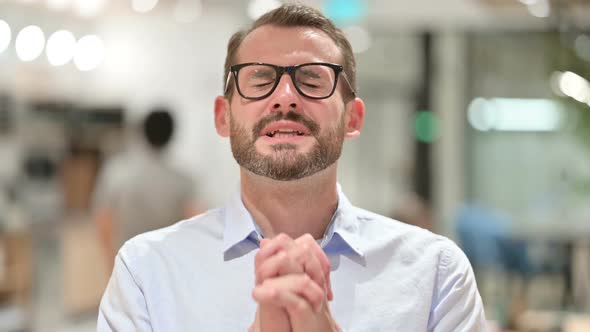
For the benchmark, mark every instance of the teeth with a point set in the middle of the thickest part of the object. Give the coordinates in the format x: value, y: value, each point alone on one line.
x: 284, y: 133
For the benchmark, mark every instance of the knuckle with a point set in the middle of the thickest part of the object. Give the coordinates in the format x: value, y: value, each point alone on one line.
x: 282, y: 258
x: 301, y: 307
x: 257, y: 260
x: 320, y: 294
x: 319, y: 278
x: 282, y: 237
x: 260, y: 275
x: 307, y: 238
x: 274, y: 293
x: 306, y: 281
x: 306, y: 248
x: 316, y: 297
x: 298, y: 255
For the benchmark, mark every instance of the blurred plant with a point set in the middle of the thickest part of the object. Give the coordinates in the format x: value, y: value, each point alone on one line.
x: 566, y: 57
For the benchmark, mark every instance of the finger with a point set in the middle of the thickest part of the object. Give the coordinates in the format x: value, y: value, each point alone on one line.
x: 295, y: 296
x: 329, y: 286
x: 291, y: 302
x: 323, y: 259
x: 271, y: 247
x: 272, y: 318
x: 304, y: 257
x: 279, y: 264
x: 299, y: 259
x: 317, y: 250
x: 314, y: 267
x: 295, y: 293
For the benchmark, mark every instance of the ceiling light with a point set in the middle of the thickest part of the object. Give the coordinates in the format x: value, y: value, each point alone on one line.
x: 30, y: 42
x: 143, y: 6
x: 514, y: 114
x: 60, y: 47
x: 5, y: 36
x: 89, y: 53
x: 89, y: 8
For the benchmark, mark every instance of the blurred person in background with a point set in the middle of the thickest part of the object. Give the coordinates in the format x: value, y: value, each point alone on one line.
x: 289, y: 252
x: 139, y: 191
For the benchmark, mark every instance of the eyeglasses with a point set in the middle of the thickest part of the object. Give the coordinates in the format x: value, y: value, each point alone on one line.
x: 316, y: 80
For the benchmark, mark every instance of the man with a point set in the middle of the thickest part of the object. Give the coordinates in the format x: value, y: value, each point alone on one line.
x: 139, y: 191
x: 289, y: 252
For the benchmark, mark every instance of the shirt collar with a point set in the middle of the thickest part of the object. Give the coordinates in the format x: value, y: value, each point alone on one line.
x: 241, y: 234
x: 343, y: 234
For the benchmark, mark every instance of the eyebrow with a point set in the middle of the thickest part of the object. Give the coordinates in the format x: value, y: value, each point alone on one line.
x: 308, y: 72
x: 263, y: 73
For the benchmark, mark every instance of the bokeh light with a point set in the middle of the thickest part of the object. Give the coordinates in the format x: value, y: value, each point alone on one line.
x: 345, y: 11
x: 515, y: 114
x: 59, y: 5
x: 5, y: 35
x: 60, y: 47
x: 30, y: 43
x: 426, y: 127
x: 143, y: 6
x: 539, y: 8
x: 89, y: 53
x: 575, y: 86
x: 89, y: 8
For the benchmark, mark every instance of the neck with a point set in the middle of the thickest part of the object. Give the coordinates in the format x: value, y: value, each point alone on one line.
x: 292, y: 207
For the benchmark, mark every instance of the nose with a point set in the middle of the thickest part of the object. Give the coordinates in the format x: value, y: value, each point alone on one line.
x: 285, y: 95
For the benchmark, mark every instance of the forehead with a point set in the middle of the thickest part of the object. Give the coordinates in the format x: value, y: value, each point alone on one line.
x: 288, y: 46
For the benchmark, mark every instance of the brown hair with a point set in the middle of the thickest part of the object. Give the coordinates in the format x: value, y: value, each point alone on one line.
x: 294, y: 15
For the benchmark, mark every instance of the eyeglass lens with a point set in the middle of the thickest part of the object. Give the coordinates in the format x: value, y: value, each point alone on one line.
x: 312, y: 80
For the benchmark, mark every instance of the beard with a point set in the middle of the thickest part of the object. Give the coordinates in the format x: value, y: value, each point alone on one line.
x: 285, y: 163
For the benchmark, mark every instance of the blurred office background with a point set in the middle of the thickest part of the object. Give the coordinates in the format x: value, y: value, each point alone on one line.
x: 477, y: 127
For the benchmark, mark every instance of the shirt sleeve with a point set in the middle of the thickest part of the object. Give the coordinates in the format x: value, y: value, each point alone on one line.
x: 123, y: 306
x: 457, y: 305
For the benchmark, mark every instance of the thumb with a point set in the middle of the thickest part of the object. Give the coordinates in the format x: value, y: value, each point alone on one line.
x: 264, y: 242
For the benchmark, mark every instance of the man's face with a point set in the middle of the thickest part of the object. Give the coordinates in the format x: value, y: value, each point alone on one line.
x: 287, y: 136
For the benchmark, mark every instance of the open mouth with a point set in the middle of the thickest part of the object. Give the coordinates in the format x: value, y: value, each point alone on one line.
x: 281, y: 133
x: 285, y: 129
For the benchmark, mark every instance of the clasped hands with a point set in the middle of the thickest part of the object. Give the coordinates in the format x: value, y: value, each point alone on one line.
x: 292, y: 286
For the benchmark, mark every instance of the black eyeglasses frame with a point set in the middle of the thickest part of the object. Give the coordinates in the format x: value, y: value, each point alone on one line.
x: 280, y: 70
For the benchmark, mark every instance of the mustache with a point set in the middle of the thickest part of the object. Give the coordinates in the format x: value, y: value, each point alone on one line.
x: 313, y: 127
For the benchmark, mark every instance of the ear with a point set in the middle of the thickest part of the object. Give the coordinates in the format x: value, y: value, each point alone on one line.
x: 222, y: 116
x: 355, y: 115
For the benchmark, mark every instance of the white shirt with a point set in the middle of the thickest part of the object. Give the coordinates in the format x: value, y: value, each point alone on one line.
x: 198, y: 275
